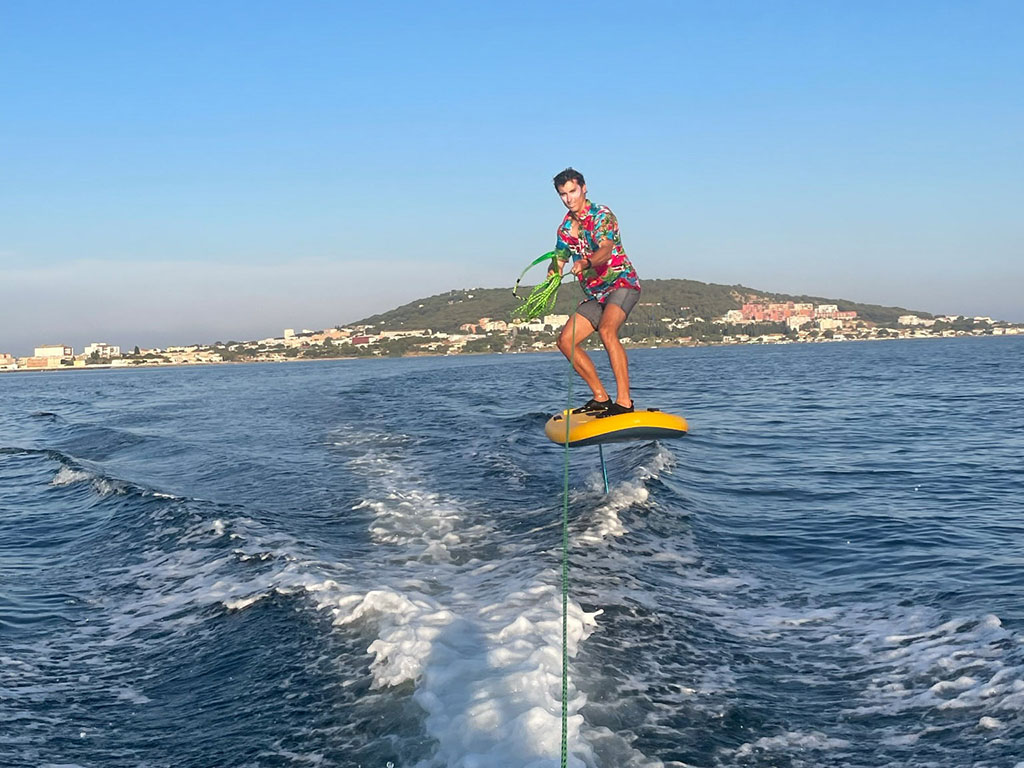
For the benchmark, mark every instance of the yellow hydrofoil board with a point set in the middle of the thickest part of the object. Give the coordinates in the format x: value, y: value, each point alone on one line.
x: 588, y: 429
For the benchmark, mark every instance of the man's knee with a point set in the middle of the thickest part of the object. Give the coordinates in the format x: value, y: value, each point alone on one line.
x: 609, y: 333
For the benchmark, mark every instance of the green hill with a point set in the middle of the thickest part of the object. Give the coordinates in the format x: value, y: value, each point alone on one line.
x: 661, y: 298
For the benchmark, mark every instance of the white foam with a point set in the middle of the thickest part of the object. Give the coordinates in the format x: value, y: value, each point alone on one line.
x: 105, y: 487
x: 962, y: 664
x: 68, y: 476
x: 487, y: 675
x: 603, y: 519
x: 478, y: 640
x: 790, y: 741
x: 170, y: 587
x: 243, y: 602
x: 133, y: 696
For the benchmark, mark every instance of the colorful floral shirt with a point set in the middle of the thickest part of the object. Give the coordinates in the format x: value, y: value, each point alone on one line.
x: 579, y: 242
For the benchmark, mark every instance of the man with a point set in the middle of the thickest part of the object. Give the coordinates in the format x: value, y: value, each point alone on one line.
x: 589, y: 237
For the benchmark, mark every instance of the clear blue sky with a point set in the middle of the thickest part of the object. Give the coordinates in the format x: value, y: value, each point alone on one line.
x: 186, y: 171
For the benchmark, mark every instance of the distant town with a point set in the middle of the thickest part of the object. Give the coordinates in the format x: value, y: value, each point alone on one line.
x: 753, y: 323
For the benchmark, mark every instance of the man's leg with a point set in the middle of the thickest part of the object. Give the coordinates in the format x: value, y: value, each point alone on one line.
x: 580, y: 359
x: 611, y: 322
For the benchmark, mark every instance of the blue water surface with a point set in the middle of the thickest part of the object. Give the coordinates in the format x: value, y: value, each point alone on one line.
x: 357, y: 563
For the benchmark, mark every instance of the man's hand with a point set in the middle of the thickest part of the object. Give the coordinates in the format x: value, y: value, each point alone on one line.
x: 600, y: 256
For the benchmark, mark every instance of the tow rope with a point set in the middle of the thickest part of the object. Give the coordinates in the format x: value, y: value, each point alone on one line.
x: 565, y: 558
x: 539, y: 303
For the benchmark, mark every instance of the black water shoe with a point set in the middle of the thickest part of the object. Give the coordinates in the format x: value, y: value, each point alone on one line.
x: 616, y: 410
x: 594, y: 406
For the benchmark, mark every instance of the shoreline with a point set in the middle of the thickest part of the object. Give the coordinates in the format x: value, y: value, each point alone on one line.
x: 149, y: 366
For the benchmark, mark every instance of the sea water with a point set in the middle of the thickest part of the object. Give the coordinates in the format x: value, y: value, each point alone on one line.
x: 358, y: 563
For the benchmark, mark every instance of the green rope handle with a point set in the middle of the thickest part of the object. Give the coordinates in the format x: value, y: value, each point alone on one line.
x: 550, y: 255
x: 542, y: 298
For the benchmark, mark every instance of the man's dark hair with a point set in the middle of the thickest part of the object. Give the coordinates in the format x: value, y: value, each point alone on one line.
x: 569, y: 174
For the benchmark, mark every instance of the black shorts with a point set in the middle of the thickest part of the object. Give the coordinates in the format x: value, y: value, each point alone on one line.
x: 592, y: 309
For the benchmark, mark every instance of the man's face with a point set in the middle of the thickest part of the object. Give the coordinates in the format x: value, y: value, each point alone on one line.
x: 574, y: 196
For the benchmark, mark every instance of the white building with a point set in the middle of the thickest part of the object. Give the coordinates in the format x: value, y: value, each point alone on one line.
x: 555, y: 321
x: 826, y: 310
x: 914, y: 320
x: 54, y: 350
x: 405, y: 334
x: 537, y: 326
x: 734, y: 316
x: 102, y: 349
x: 798, y: 321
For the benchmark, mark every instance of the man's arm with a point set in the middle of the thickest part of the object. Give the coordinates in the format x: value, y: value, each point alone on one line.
x: 598, y: 257
x: 606, y: 232
x: 556, y: 267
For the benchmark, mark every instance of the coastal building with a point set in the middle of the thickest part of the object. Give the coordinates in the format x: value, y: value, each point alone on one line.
x: 404, y: 334
x: 54, y: 350
x: 914, y: 320
x: 102, y: 349
x: 798, y: 321
x: 534, y: 326
x: 7, y: 362
x: 780, y: 312
x: 37, y: 362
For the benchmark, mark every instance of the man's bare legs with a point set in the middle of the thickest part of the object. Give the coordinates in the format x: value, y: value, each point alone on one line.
x: 580, y: 359
x: 611, y: 321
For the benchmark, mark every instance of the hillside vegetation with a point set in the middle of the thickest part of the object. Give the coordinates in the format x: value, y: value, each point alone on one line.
x: 660, y: 299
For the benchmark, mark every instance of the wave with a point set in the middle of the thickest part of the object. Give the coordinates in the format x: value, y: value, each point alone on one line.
x: 471, y: 616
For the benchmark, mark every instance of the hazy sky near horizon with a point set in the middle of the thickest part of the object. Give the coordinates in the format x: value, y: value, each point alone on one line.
x: 177, y: 172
